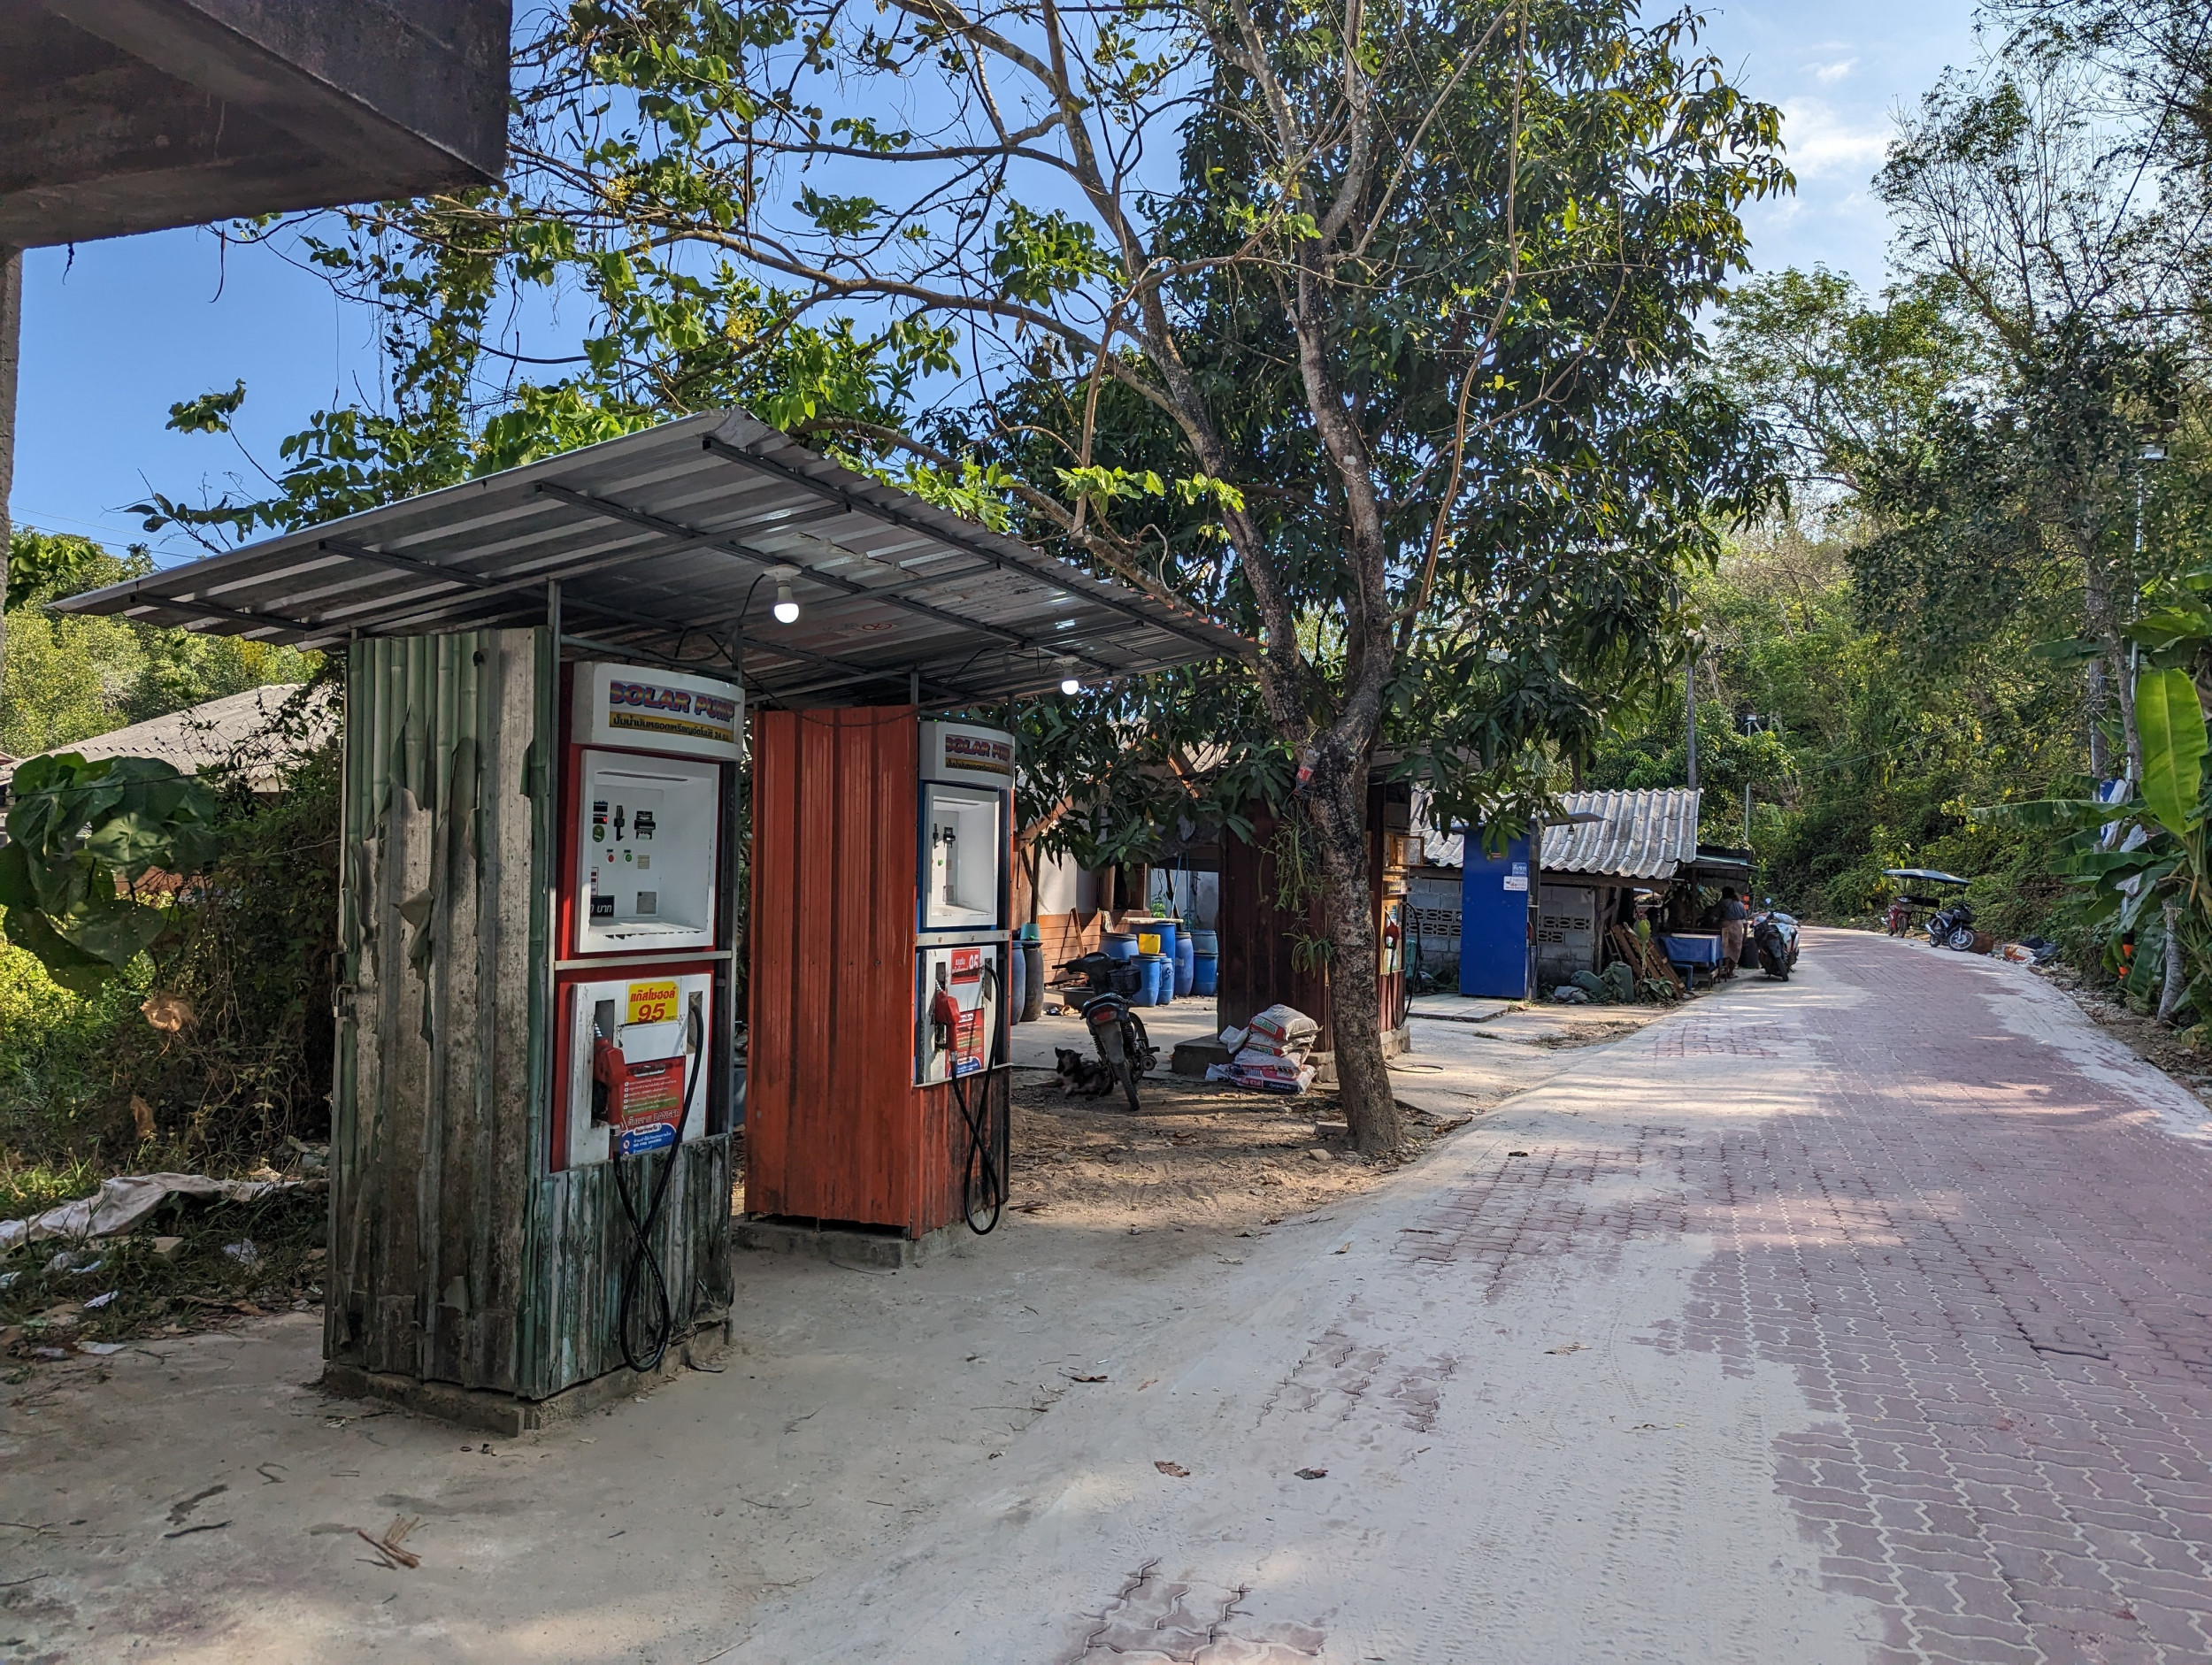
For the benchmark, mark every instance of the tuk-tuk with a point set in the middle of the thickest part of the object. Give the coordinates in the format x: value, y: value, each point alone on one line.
x: 1943, y: 916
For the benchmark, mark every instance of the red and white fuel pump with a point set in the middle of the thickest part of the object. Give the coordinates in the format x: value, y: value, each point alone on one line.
x: 644, y: 968
x: 877, y: 1096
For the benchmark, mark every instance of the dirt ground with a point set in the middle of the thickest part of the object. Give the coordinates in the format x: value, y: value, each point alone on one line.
x: 1201, y: 1153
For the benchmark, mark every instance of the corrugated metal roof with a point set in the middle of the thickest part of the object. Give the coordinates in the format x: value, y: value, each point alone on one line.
x: 1644, y: 834
x: 660, y: 542
x: 198, y: 736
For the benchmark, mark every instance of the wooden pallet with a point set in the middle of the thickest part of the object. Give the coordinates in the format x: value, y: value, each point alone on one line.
x: 1647, y: 958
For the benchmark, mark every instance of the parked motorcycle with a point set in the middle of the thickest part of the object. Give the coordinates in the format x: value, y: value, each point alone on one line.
x: 1774, y: 940
x: 1113, y: 1024
x: 1913, y: 910
x: 1952, y: 927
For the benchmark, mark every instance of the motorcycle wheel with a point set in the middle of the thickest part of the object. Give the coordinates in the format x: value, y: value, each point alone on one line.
x: 1128, y: 1079
x: 1114, y: 1050
x: 1959, y: 939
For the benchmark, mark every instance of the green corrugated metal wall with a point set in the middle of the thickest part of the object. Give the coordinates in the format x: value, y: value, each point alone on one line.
x: 454, y: 1255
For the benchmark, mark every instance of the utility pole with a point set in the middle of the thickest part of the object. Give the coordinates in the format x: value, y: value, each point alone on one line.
x: 1750, y: 726
x: 1689, y: 709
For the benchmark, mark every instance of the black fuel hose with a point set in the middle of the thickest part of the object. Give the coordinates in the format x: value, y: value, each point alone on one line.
x: 982, y: 1151
x: 644, y: 1261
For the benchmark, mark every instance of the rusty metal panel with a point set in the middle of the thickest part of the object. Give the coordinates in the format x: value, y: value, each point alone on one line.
x: 1262, y: 961
x: 835, y: 1128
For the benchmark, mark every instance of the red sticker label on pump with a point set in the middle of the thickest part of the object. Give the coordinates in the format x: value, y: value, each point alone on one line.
x: 648, y: 1107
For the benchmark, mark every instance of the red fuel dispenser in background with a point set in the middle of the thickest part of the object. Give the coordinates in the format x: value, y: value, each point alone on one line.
x: 877, y: 1078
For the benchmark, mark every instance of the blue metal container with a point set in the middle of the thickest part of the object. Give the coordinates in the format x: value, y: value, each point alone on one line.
x: 1495, y: 938
x: 1205, y: 974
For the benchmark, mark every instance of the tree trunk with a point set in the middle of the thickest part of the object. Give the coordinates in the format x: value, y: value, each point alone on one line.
x: 1336, y: 807
x: 2177, y: 975
x: 11, y: 356
x: 2099, y: 765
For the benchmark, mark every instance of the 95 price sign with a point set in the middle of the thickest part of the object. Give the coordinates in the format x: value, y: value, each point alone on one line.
x: 650, y: 1003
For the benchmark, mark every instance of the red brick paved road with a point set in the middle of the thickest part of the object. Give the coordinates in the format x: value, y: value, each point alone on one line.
x: 1988, y: 1270
x: 1865, y: 1317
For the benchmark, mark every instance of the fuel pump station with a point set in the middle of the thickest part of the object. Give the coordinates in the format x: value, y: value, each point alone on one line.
x: 645, y: 800
x: 877, y: 1100
x: 540, y: 1071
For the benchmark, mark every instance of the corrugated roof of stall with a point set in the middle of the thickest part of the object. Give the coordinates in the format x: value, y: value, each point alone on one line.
x: 661, y: 542
x: 1642, y: 834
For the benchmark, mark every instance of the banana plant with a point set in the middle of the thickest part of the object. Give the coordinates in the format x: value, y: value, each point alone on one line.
x: 2155, y: 846
x: 94, y: 849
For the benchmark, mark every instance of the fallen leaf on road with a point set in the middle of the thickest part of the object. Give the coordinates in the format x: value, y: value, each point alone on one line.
x: 1346, y: 1249
x: 1087, y: 1379
x: 1175, y: 1469
x: 1571, y: 1346
x: 1313, y: 1474
x: 1517, y: 1152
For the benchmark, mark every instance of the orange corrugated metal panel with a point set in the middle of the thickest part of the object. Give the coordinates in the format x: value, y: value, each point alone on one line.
x: 835, y: 1128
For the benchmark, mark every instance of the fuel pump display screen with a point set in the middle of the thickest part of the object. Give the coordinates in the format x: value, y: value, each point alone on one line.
x: 647, y: 845
x: 961, y: 857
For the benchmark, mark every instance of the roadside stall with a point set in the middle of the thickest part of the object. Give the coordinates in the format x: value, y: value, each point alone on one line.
x: 570, y: 863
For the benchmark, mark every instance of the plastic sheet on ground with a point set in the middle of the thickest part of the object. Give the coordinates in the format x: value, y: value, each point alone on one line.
x: 121, y: 1202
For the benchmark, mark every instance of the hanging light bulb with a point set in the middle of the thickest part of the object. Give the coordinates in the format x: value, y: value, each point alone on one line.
x: 1070, y: 683
x: 787, y: 611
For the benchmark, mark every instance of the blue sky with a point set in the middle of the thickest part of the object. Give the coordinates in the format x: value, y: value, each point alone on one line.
x: 115, y: 336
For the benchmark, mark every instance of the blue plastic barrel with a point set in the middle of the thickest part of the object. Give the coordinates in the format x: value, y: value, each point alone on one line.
x: 1119, y: 945
x: 1148, y: 981
x: 1017, y: 980
x: 1186, y: 964
x: 1205, y: 976
x: 1163, y: 992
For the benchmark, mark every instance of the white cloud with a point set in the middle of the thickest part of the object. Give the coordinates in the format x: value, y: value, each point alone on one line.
x: 1828, y: 74
x: 1821, y: 141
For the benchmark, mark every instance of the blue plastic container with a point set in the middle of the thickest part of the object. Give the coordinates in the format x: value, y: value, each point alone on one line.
x: 1017, y: 979
x: 1186, y: 964
x: 1118, y: 945
x: 1155, y: 936
x: 1164, y: 994
x: 1205, y: 976
x: 1151, y: 980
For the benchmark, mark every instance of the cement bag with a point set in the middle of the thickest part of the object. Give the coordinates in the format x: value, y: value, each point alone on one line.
x: 1282, y: 1027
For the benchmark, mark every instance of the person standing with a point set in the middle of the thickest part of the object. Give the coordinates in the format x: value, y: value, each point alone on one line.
x: 1733, y: 916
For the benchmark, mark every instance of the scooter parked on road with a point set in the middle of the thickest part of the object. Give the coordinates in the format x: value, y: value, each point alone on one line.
x: 1114, y: 1027
x: 1774, y: 940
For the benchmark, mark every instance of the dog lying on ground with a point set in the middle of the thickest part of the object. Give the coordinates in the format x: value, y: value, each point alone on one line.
x: 1089, y: 1076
